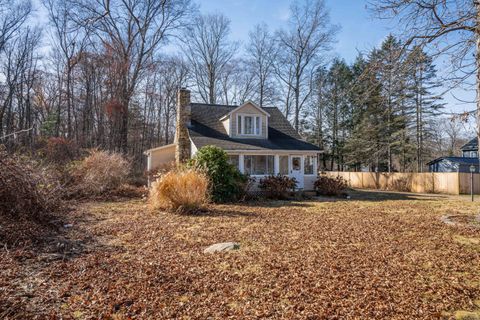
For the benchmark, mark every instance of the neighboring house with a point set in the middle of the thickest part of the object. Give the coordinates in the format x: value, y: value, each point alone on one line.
x: 470, y: 149
x: 458, y: 164
x: 259, y: 141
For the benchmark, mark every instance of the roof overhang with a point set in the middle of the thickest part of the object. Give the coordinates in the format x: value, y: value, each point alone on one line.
x: 243, y: 105
x: 273, y: 151
x: 147, y: 152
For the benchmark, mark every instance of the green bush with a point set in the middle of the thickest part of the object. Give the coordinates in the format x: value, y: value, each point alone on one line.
x: 277, y: 187
x: 226, y: 182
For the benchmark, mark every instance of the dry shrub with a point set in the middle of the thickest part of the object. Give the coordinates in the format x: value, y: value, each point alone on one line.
x: 182, y: 190
x: 60, y: 150
x: 26, y: 189
x: 330, y: 186
x: 128, y: 191
x: 152, y: 175
x: 100, y: 172
x: 277, y: 187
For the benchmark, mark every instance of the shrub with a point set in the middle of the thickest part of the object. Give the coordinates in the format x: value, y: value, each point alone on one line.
x: 127, y: 191
x: 60, y: 150
x: 226, y: 182
x: 99, y: 173
x: 277, y: 187
x: 183, y: 190
x: 330, y: 186
x: 26, y: 189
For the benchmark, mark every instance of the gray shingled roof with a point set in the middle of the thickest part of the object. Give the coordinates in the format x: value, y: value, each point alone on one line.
x: 207, y: 129
x: 471, y: 145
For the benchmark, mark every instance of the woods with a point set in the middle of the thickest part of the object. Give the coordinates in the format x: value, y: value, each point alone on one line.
x: 104, y: 74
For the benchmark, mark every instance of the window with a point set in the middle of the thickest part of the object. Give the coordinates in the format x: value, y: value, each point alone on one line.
x: 309, y: 164
x: 258, y: 165
x: 249, y: 125
x: 470, y: 154
x: 283, y: 161
x: 233, y: 160
x: 296, y: 163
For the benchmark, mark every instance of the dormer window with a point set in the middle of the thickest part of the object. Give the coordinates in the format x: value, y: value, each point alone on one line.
x: 249, y: 125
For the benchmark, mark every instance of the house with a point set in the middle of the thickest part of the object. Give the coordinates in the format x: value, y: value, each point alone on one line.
x: 259, y: 141
x: 470, y: 149
x: 458, y: 164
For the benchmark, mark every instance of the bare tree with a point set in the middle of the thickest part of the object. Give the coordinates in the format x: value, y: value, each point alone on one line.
x: 18, y: 69
x: 131, y: 31
x: 450, y: 28
x: 261, y: 52
x: 208, y: 51
x: 70, y: 41
x: 300, y: 47
x: 13, y: 14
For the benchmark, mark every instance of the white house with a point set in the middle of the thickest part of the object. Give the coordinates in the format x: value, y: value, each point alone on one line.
x: 259, y: 141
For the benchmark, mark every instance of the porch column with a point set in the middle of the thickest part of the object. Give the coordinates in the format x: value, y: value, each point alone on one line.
x: 241, y: 163
x: 276, y: 164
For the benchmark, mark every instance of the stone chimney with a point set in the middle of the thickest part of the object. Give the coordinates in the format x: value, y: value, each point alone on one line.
x: 182, y: 139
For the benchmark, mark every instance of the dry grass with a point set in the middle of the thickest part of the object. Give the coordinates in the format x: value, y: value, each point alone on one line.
x: 100, y: 172
x: 26, y: 188
x: 184, y: 190
x: 357, y: 259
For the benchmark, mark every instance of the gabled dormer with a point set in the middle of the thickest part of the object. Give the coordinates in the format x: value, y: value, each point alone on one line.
x: 246, y: 121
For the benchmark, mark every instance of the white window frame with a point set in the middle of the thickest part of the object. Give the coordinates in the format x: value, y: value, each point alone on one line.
x: 315, y: 165
x: 262, y: 155
x: 241, y: 128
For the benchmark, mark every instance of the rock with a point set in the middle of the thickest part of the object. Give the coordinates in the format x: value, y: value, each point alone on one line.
x: 224, y: 246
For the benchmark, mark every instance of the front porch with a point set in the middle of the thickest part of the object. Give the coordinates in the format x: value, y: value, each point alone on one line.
x: 301, y: 165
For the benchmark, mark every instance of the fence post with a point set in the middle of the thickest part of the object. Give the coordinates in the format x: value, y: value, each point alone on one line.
x: 433, y: 182
x: 458, y: 183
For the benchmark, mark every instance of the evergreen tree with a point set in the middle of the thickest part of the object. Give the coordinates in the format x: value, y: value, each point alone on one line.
x: 390, y: 72
x: 425, y: 103
x: 365, y: 146
x: 338, y: 111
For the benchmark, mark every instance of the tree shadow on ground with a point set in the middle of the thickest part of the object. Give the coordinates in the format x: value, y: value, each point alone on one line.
x: 381, y: 195
x: 215, y: 211
x: 304, y: 203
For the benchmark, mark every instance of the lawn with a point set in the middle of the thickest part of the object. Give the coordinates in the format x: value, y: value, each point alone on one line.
x: 375, y: 256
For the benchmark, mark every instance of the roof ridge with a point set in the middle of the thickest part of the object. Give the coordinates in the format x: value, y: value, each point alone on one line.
x: 213, y: 104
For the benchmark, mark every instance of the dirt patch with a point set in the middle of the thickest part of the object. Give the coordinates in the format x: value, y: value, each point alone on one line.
x: 304, y: 260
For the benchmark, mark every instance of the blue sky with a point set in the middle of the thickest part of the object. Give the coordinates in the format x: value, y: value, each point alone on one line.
x: 360, y: 31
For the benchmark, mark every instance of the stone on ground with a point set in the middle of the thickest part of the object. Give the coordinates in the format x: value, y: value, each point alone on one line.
x: 224, y: 246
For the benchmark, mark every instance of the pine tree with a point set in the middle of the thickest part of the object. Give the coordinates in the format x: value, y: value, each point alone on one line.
x: 389, y: 69
x: 425, y: 102
x: 365, y: 145
x: 338, y: 111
